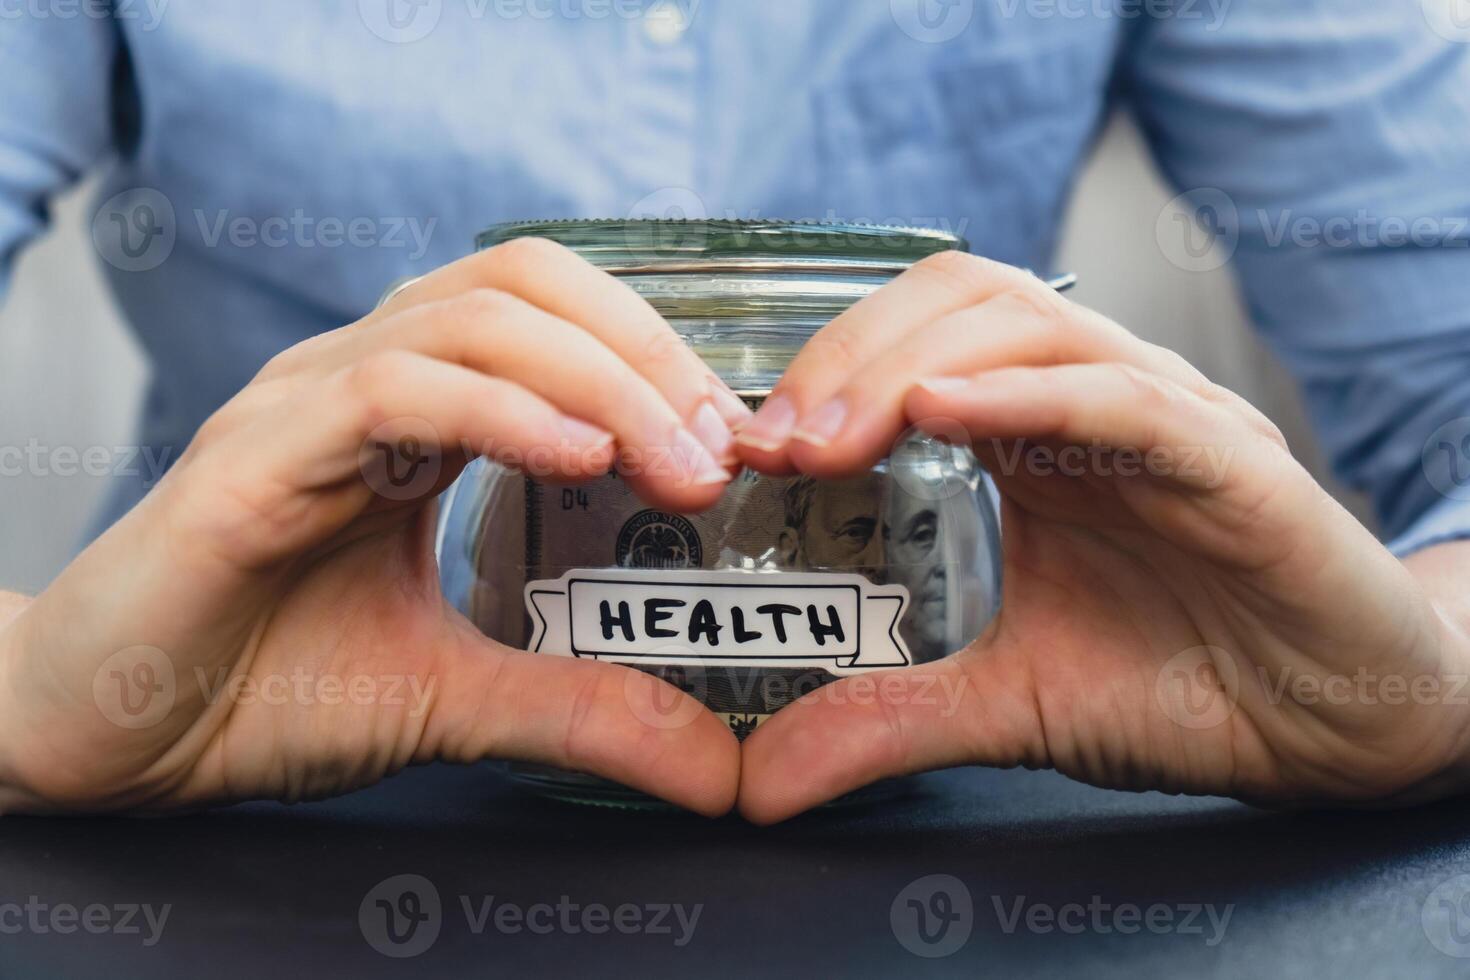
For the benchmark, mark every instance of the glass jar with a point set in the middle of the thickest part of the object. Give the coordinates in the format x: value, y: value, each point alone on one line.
x: 810, y: 581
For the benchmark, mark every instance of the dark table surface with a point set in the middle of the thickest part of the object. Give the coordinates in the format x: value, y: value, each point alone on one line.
x: 1045, y: 878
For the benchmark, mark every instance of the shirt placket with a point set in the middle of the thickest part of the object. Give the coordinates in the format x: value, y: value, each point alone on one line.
x: 658, y: 149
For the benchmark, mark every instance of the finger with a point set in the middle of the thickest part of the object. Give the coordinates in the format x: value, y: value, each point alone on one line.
x: 585, y: 716
x: 301, y: 471
x: 552, y: 277
x: 1111, y: 405
x: 970, y: 709
x: 502, y: 335
x: 1191, y: 470
x: 858, y: 425
x: 939, y: 285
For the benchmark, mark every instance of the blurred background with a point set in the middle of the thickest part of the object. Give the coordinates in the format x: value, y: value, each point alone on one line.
x: 71, y: 375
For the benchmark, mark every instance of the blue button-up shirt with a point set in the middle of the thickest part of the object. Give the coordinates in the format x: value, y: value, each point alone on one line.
x: 280, y: 161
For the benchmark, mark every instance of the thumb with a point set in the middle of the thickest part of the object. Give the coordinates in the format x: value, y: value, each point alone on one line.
x: 975, y: 708
x: 582, y: 715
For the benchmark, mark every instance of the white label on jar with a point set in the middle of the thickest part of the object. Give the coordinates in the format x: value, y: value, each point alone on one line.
x: 733, y: 618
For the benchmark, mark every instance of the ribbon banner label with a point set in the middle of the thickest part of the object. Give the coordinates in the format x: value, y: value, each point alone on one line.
x: 731, y: 618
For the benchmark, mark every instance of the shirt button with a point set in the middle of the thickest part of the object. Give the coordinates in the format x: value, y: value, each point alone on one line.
x: 665, y: 23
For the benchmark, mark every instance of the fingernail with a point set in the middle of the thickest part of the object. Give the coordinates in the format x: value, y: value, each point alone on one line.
x: 943, y: 386
x: 711, y: 430
x: 771, y: 426
x: 821, y: 427
x: 694, y: 462
x: 582, y: 434
x: 734, y: 411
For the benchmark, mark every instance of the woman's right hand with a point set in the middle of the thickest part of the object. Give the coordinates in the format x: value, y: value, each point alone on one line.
x: 268, y: 622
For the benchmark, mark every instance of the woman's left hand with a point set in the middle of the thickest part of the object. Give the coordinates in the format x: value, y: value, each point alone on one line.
x: 1184, y: 607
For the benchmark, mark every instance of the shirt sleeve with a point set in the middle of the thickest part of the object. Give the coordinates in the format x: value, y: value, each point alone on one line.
x: 1327, y: 144
x: 56, y: 110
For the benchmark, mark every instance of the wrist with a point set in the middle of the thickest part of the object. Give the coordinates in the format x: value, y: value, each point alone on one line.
x: 11, y: 604
x: 13, y: 796
x: 1443, y: 573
